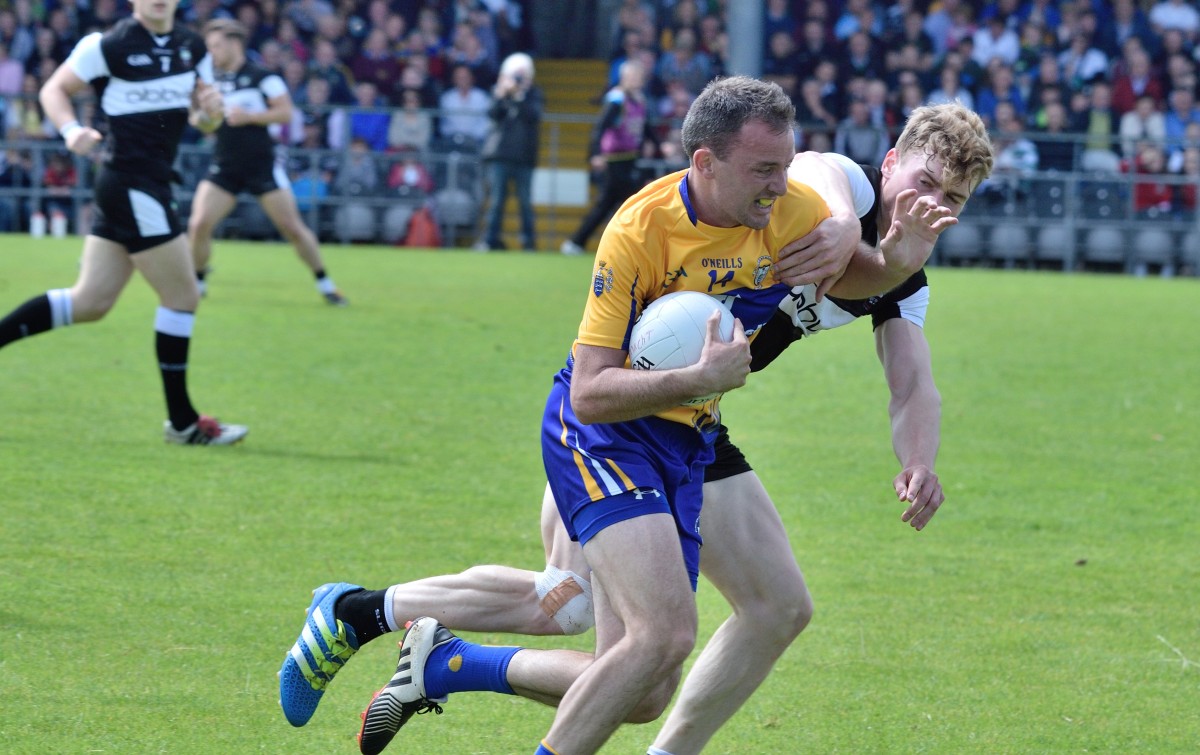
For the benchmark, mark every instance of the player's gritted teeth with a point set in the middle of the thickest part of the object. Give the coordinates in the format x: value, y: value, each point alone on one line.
x: 763, y: 205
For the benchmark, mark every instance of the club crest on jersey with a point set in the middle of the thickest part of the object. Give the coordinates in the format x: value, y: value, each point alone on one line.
x: 185, y: 55
x: 139, y: 59
x: 243, y: 81
x: 762, y: 268
x: 602, y: 281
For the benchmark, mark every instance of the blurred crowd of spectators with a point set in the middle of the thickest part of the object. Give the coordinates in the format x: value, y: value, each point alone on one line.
x: 1064, y: 84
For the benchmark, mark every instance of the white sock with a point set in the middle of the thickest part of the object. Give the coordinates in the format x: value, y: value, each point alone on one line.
x: 325, y: 285
x: 656, y: 751
x: 61, y: 314
x: 173, y: 322
x: 387, y: 609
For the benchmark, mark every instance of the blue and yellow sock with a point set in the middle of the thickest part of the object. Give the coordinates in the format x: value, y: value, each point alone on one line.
x: 460, y: 666
x: 544, y: 749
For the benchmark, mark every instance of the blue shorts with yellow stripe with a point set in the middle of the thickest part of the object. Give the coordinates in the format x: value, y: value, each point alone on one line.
x: 602, y: 474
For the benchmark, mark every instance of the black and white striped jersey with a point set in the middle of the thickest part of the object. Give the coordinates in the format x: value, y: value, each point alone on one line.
x: 800, y: 314
x: 144, y: 84
x: 249, y: 88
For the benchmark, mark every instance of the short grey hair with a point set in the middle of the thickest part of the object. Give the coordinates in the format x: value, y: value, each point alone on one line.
x: 716, y: 117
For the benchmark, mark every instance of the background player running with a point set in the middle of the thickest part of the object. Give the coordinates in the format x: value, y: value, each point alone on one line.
x: 245, y: 157
x: 151, y: 78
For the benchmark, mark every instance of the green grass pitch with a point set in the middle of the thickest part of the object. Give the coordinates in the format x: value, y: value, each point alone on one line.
x: 148, y: 593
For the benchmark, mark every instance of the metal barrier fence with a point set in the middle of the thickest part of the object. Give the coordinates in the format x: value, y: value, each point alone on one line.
x: 1081, y: 219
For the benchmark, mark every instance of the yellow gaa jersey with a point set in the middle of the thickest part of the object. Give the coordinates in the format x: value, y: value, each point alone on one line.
x: 655, y: 245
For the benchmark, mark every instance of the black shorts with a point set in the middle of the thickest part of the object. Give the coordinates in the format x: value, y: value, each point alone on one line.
x: 729, y: 462
x: 137, y: 212
x: 256, y: 178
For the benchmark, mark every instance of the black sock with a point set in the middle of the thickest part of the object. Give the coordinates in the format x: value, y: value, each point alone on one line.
x: 319, y: 274
x: 201, y: 273
x: 29, y: 319
x: 172, y: 354
x: 363, y: 610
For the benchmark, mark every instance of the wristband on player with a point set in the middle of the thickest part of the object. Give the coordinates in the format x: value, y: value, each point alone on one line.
x: 69, y: 128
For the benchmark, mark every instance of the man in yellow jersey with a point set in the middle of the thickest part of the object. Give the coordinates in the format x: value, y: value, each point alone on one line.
x: 624, y: 455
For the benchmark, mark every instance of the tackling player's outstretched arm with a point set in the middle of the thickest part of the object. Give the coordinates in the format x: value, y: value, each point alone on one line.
x: 915, y: 411
x: 916, y: 225
x: 822, y: 255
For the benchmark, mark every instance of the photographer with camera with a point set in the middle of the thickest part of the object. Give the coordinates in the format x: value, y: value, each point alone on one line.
x: 511, y: 149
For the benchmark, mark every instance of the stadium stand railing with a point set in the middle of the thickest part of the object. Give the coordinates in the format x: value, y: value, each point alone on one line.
x: 1077, y: 220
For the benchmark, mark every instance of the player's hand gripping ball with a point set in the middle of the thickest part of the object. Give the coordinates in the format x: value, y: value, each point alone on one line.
x: 670, y: 333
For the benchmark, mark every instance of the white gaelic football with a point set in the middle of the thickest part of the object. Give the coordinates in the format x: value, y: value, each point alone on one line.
x: 670, y: 332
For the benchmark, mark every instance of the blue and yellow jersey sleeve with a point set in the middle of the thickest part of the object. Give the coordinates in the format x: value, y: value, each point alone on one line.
x: 654, y: 245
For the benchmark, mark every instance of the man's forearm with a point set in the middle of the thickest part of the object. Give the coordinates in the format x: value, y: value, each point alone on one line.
x: 916, y: 428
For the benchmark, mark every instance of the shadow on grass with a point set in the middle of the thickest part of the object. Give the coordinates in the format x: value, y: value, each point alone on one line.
x: 323, y: 456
